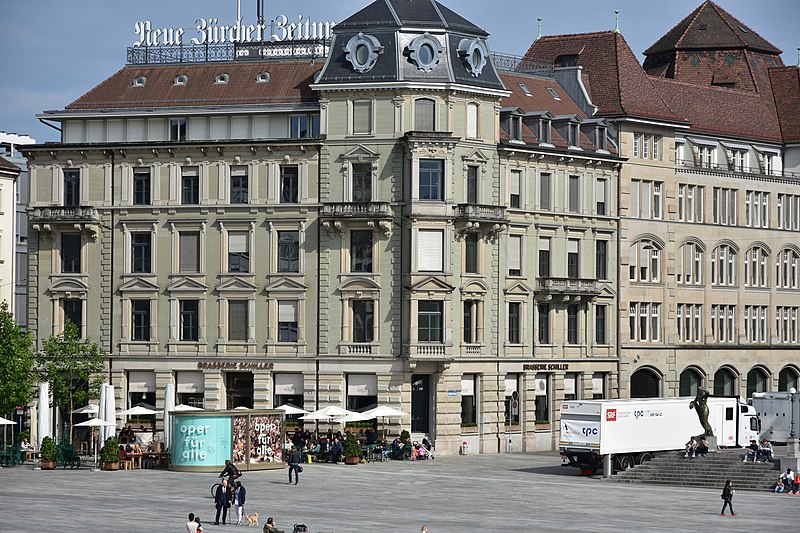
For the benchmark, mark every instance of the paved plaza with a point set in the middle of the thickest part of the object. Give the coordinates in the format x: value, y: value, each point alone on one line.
x: 520, y: 493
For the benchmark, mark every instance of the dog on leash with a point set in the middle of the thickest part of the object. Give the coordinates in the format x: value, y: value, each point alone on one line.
x: 252, y: 519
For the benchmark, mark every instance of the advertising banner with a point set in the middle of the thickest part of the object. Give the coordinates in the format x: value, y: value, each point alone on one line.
x: 201, y: 440
x: 265, y: 439
x: 584, y: 432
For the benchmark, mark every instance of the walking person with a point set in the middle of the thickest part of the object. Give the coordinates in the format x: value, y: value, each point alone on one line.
x: 294, y: 465
x: 727, y: 496
x: 222, y: 500
x: 238, y: 502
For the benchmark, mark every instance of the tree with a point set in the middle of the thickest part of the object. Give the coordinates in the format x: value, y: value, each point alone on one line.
x: 73, y: 367
x: 17, y: 380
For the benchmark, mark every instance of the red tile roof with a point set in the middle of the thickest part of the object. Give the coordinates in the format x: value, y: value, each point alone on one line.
x: 616, y: 81
x: 786, y: 93
x: 288, y: 83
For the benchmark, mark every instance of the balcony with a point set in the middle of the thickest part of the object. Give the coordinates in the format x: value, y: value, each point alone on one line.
x: 60, y: 214
x: 567, y: 287
x: 335, y: 213
x: 491, y: 214
x: 420, y: 351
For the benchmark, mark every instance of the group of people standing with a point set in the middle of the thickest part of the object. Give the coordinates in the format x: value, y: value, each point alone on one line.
x: 230, y: 492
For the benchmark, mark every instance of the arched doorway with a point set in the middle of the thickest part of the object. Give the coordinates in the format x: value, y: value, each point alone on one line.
x: 691, y: 380
x: 724, y: 382
x: 756, y: 381
x: 787, y: 379
x: 645, y: 384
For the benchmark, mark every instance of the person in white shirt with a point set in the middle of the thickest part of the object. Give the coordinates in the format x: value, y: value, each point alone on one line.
x: 191, y: 525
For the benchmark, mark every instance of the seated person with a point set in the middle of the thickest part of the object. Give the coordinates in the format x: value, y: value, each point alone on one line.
x: 336, y: 450
x: 270, y: 526
x: 779, y: 486
x: 752, y: 451
x: 788, y: 480
x: 372, y: 437
x: 137, y: 448
x: 765, y: 451
x: 122, y: 453
x: 702, y: 447
x: 407, y: 448
x: 25, y: 445
x: 397, y: 449
x: 691, y: 448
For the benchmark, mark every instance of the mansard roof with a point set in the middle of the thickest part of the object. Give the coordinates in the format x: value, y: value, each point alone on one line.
x: 786, y: 93
x: 393, y: 14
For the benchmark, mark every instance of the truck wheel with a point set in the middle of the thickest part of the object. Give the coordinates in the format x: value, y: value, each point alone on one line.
x: 645, y: 457
x: 625, y: 462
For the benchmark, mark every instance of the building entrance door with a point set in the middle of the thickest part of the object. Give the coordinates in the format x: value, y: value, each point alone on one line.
x: 239, y: 389
x: 420, y: 403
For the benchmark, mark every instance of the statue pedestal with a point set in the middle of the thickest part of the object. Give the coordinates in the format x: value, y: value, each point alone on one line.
x: 792, y: 458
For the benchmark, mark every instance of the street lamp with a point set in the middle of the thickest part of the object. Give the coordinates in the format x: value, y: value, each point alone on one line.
x: 792, y: 451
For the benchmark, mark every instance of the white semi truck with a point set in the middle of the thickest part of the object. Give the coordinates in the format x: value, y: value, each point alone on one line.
x: 634, y: 430
x: 776, y: 410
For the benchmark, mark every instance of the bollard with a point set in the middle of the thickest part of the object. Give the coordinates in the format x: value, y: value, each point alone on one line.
x: 607, y: 465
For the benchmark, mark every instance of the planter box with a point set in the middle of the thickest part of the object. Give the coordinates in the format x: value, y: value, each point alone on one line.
x: 110, y: 466
x: 542, y: 427
x: 469, y: 430
x: 47, y: 465
x: 351, y: 460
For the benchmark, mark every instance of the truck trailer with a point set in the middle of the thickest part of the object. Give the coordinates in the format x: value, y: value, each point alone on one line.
x: 633, y: 431
x: 776, y: 411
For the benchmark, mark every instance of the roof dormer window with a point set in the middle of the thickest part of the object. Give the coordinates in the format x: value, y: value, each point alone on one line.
x: 181, y: 79
x: 544, y: 131
x: 566, y: 61
x: 262, y: 77
x: 363, y: 51
x: 601, y: 138
x: 573, y: 134
x: 474, y: 54
x: 515, y: 128
x: 553, y: 93
x: 425, y: 52
x: 139, y: 81
x: 222, y: 78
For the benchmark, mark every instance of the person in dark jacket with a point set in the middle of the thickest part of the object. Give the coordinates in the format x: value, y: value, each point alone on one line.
x: 294, y: 465
x: 222, y: 500
x: 727, y: 497
x: 239, y: 496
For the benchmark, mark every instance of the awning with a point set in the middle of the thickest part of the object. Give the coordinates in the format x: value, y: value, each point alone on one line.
x: 190, y: 382
x: 362, y: 385
x: 569, y: 383
x: 705, y: 142
x: 141, y: 381
x: 735, y: 146
x: 767, y: 150
x: 288, y: 384
x: 468, y: 385
x: 511, y: 384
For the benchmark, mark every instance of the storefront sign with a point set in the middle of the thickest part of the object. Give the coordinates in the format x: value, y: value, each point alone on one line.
x: 233, y: 365
x: 545, y: 366
x: 210, y: 31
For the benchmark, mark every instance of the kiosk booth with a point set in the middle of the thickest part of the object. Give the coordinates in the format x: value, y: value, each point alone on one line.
x: 203, y: 440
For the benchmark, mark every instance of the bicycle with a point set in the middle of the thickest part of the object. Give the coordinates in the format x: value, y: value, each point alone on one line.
x: 218, y: 484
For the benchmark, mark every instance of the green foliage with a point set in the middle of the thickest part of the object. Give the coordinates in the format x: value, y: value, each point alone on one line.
x: 72, y: 366
x: 111, y: 450
x: 469, y: 424
x: 405, y: 436
x: 351, y: 447
x: 48, y: 451
x: 17, y: 380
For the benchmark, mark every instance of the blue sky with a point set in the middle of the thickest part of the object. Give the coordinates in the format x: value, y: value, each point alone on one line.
x: 53, y: 51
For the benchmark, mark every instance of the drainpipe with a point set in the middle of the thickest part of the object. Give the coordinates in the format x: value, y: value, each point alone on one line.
x: 111, y: 277
x: 619, y: 276
x: 319, y: 282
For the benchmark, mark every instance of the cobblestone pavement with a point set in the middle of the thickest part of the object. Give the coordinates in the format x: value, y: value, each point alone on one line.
x: 488, y: 493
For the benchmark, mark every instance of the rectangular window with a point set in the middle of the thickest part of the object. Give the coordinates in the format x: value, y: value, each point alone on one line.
x: 287, y: 321
x: 544, y: 257
x: 573, y: 262
x: 288, y: 251
x: 690, y: 203
x: 70, y: 253
x: 572, y: 324
x: 646, y: 199
x: 290, y: 184
x: 141, y: 252
x: 73, y: 312
x: 788, y: 211
x: 472, y: 121
x: 646, y: 146
x: 598, y: 386
x: 303, y: 126
x: 574, y: 194
x: 543, y: 315
x: 544, y: 191
x: 189, y: 242
x: 141, y: 186
x: 645, y: 321
x: 637, y: 144
x: 362, y: 117
x: 469, y: 411
x: 471, y: 253
x: 544, y: 131
x: 240, y: 193
x: 363, y: 320
x: 362, y: 182
x: 238, y: 319
x: 600, y: 324
x: 514, y: 322
x: 656, y: 147
x: 515, y: 182
x: 140, y: 320
x: 472, y: 184
x: 515, y: 127
x: 755, y: 322
x: 515, y: 255
x: 430, y: 250
x: 190, y: 186
x: 424, y: 114
x: 470, y: 321
x: 177, y: 129
x: 431, y: 179
x: 706, y: 156
x: 542, y: 400
x: 189, y: 320
x: 238, y: 251
x: 600, y: 196
x: 430, y: 321
x: 72, y: 188
x: 601, y: 259
x: 757, y: 209
x: 512, y: 400
x: 690, y: 322
x: 723, y: 324
x: 724, y: 208
x: 361, y: 251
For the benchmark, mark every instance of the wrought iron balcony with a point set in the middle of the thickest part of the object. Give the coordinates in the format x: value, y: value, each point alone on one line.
x: 495, y: 214
x: 358, y: 210
x: 60, y: 214
x: 567, y: 286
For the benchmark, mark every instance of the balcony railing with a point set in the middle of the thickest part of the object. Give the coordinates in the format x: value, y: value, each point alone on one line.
x: 481, y: 213
x: 725, y: 168
x: 57, y: 214
x: 358, y: 211
x: 567, y: 286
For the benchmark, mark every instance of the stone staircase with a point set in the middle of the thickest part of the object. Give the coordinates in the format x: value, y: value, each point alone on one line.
x: 671, y: 468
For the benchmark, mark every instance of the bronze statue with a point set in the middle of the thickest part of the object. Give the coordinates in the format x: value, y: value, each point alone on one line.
x: 700, y: 404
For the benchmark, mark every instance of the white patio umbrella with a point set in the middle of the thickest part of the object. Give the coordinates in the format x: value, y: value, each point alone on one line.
x: 183, y: 407
x: 6, y: 421
x: 93, y: 423
x: 326, y: 413
x: 383, y: 412
x: 352, y: 417
x: 43, y: 426
x: 136, y: 411
x: 107, y: 412
x: 91, y: 409
x: 289, y: 409
x: 169, y: 405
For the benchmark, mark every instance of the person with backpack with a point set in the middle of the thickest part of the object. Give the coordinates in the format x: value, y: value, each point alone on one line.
x: 727, y: 497
x: 294, y: 465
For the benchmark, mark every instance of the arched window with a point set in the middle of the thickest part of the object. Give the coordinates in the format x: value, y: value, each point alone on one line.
x: 690, y: 264
x: 787, y: 379
x: 724, y: 383
x: 756, y: 381
x: 691, y: 380
x: 787, y: 267
x: 645, y: 384
x: 723, y: 265
x: 424, y: 109
x: 645, y: 261
x: 755, y: 267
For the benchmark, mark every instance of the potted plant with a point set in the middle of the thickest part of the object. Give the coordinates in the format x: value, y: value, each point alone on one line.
x: 351, y: 450
x: 405, y: 436
x: 47, y: 460
x: 110, y: 454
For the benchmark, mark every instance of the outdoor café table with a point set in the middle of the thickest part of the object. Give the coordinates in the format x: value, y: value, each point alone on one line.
x: 136, y: 459
x: 156, y: 459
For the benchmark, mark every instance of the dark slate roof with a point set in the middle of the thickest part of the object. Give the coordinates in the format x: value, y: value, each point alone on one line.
x: 722, y: 30
x: 288, y: 84
x: 786, y: 92
x: 5, y: 164
x: 616, y: 82
x: 409, y: 13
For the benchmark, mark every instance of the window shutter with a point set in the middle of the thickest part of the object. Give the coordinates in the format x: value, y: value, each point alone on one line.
x: 514, y: 252
x: 597, y: 384
x: 287, y: 311
x: 544, y: 243
x: 190, y: 252
x: 468, y: 385
x: 569, y: 383
x: 572, y: 246
x: 472, y: 121
x: 511, y: 384
x: 544, y: 191
x: 600, y: 191
x: 430, y: 256
x: 362, y: 117
x: 514, y: 182
x: 237, y: 241
x: 423, y: 114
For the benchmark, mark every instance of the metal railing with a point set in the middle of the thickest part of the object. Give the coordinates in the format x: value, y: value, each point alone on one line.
x: 734, y: 169
x: 512, y: 63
